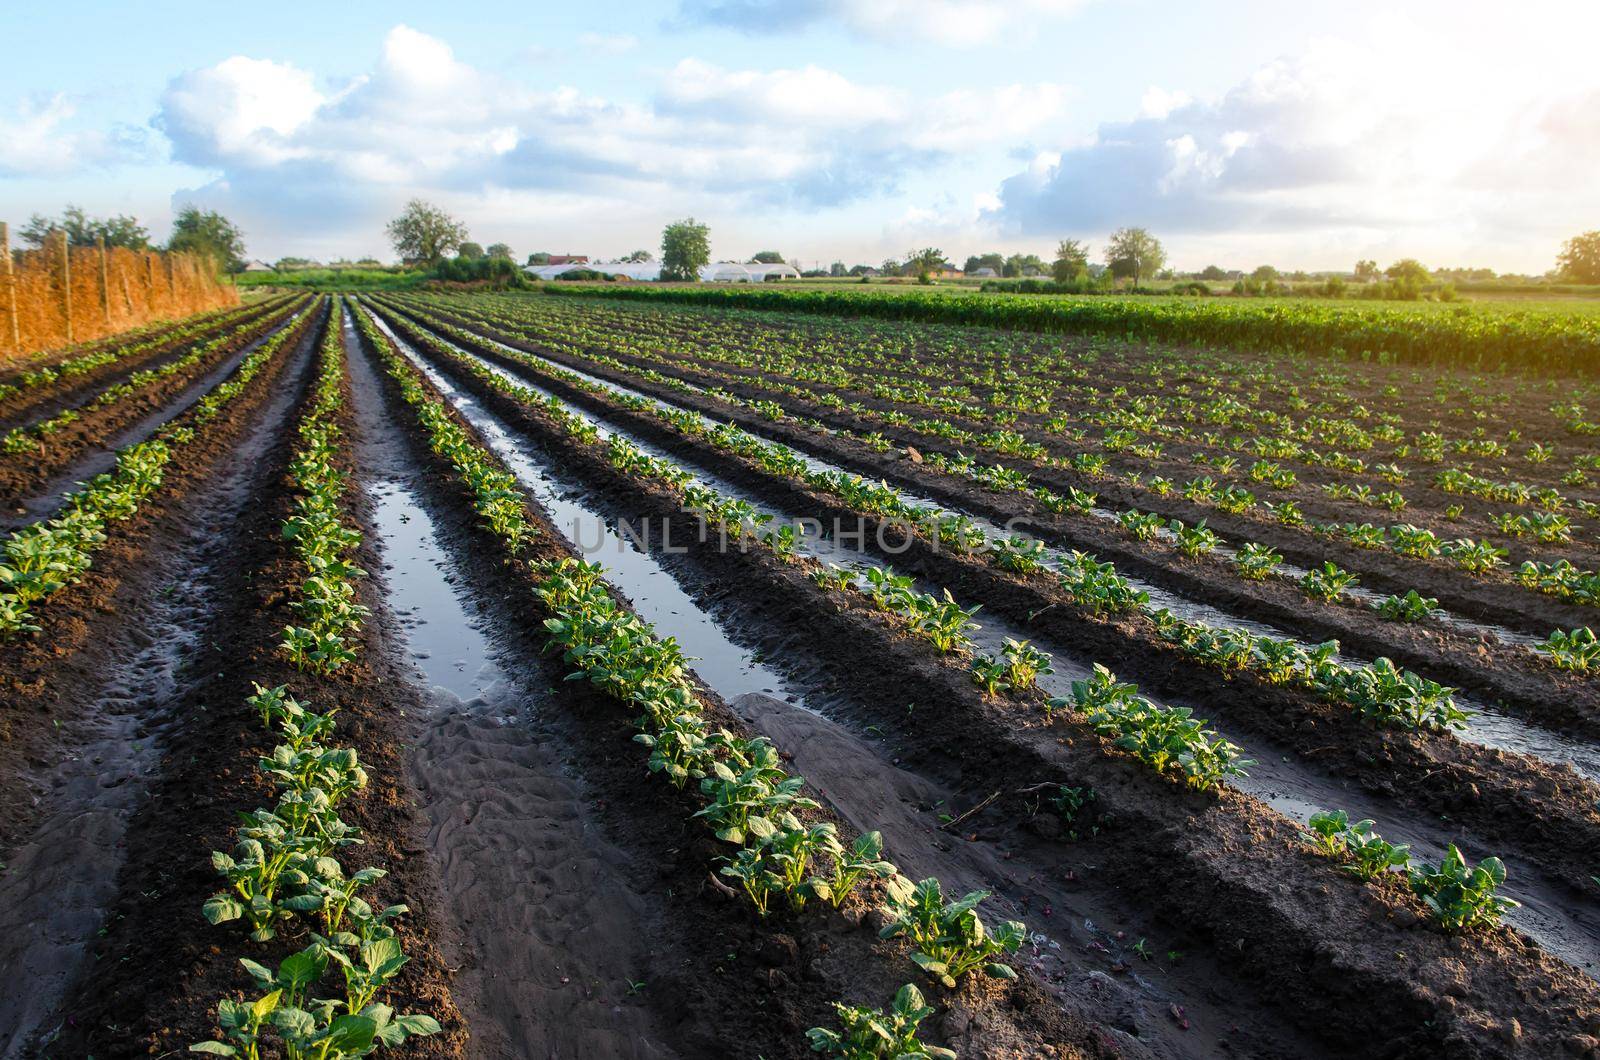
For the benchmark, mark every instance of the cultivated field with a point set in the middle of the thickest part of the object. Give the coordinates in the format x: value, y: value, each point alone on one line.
x: 583, y: 676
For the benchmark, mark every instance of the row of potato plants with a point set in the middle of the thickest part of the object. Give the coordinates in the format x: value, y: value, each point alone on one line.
x: 1378, y: 690
x: 1564, y: 649
x: 1038, y: 396
x: 1167, y: 739
x: 29, y: 438
x: 284, y: 875
x: 1555, y: 343
x: 1474, y: 557
x: 780, y: 851
x: 130, y: 345
x: 330, y: 617
x: 51, y: 554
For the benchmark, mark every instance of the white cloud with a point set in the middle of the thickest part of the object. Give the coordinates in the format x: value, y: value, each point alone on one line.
x: 1348, y: 144
x: 37, y: 140
x: 238, y: 109
x: 955, y: 23
x: 423, y: 122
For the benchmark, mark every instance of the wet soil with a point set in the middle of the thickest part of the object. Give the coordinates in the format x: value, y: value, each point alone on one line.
x: 209, y: 776
x: 746, y: 987
x: 974, y: 738
x: 35, y: 404
x: 30, y: 482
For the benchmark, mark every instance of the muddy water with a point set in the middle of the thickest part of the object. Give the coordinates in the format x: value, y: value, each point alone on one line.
x: 553, y: 938
x: 1566, y: 928
x: 1076, y: 932
x: 55, y: 887
x: 47, y: 501
x: 1489, y: 727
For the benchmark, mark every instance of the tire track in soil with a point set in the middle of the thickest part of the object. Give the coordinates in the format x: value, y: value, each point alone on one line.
x: 58, y: 884
x: 856, y: 778
x: 553, y: 919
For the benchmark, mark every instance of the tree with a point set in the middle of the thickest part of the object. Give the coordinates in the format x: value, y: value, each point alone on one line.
x: 890, y: 267
x: 470, y: 251
x: 1022, y: 264
x: 1408, y: 271
x: 425, y: 234
x: 1579, y: 259
x: 209, y: 234
x: 640, y: 256
x: 289, y: 264
x: 539, y: 257
x: 499, y: 250
x: 1213, y: 272
x: 685, y: 249
x: 1072, y: 261
x: 925, y: 262
x: 84, y: 231
x: 768, y: 257
x: 1264, y: 274
x: 997, y: 262
x: 837, y: 269
x: 1366, y: 271
x: 1134, y: 252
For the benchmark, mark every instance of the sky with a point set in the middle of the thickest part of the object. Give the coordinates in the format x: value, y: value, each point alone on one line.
x: 1240, y: 133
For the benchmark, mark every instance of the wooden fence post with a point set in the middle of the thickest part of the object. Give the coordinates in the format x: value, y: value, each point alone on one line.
x: 66, y: 286
x: 105, y: 282
x: 11, y: 287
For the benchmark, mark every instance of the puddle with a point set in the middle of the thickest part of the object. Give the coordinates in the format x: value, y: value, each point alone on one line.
x: 779, y: 709
x: 554, y: 940
x: 1571, y: 933
x: 1488, y: 727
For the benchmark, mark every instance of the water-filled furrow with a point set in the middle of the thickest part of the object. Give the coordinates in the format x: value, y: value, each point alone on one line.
x: 551, y: 928
x: 1488, y: 727
x: 780, y: 705
x: 1278, y: 777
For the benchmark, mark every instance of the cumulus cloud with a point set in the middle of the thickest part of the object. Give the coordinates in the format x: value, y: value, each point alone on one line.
x: 423, y: 120
x: 38, y: 140
x: 1337, y: 140
x: 957, y: 23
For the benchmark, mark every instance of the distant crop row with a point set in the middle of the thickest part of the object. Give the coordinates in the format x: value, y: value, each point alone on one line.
x: 1531, y: 341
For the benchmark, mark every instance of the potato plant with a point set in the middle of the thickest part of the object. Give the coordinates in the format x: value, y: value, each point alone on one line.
x: 871, y: 1034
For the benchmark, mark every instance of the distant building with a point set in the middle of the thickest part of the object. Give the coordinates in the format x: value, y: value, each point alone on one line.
x: 568, y: 259
x: 761, y: 272
x: 258, y: 266
x: 986, y: 272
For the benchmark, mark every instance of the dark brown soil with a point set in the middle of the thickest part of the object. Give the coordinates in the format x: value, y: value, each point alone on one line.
x: 21, y: 475
x: 161, y: 968
x: 733, y: 985
x: 1232, y: 873
x: 1485, y: 667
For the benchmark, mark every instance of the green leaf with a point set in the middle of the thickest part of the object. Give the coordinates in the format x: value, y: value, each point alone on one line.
x: 221, y: 908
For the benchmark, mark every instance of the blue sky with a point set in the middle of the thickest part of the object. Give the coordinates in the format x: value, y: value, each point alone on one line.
x: 1240, y: 133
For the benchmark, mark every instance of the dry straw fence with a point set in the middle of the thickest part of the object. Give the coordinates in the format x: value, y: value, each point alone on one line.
x: 59, y: 295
